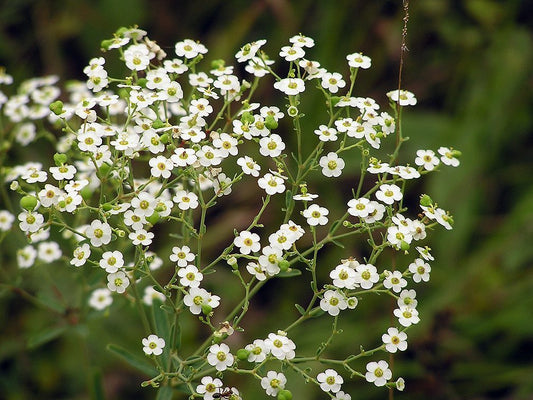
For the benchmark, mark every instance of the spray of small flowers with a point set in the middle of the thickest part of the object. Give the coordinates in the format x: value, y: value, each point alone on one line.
x: 160, y: 145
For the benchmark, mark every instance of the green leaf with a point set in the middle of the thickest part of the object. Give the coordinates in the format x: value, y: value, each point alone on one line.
x: 290, y: 273
x: 162, y: 327
x: 300, y: 309
x: 164, y: 393
x: 97, y: 390
x: 133, y: 360
x: 45, y: 336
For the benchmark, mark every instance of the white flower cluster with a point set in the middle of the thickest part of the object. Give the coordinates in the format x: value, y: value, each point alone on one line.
x: 157, y: 146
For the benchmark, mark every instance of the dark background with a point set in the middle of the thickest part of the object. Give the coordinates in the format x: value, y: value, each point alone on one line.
x: 469, y: 63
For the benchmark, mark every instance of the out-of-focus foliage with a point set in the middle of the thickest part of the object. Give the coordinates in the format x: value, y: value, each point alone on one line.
x: 469, y: 63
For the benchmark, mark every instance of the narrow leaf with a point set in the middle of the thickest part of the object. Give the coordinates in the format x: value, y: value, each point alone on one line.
x: 164, y: 393
x: 45, y: 336
x: 300, y: 309
x: 133, y: 360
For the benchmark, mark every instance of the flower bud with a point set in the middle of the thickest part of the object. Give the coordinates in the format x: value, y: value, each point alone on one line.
x: 28, y: 203
x: 57, y: 107
x: 142, y: 82
x: 14, y: 185
x: 425, y: 200
x: 242, y: 354
x: 216, y: 64
x: 158, y: 124
x: 284, y: 394
x: 270, y: 122
x: 283, y: 265
x: 60, y: 159
x: 206, y: 309
x: 404, y: 245
x: 120, y: 233
x: 107, y: 206
x: 154, y: 218
x: 247, y: 118
x: 164, y: 138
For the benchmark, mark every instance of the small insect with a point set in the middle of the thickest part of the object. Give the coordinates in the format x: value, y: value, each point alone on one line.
x: 225, y: 394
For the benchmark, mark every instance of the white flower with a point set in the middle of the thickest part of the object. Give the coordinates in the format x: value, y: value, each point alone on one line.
x: 333, y: 302
x: 340, y: 395
x: 257, y: 270
x: 161, y: 167
x: 361, y: 207
x: 190, y: 276
x: 330, y: 380
x: 407, y: 299
x: 378, y: 372
x: 6, y: 220
x: 271, y: 146
x: 406, y: 98
x: 291, y: 53
x: 420, y: 270
x: 99, y: 233
x: 220, y: 357
x: 280, y: 346
x: 185, y: 200
x: 141, y: 237
x: 425, y: 253
x: 208, y: 387
x: 112, y: 261
x: 332, y: 81
x: 366, y: 275
x: 258, y: 351
x: 316, y: 215
x: 302, y: 41
x: 249, y: 166
x: 344, y: 276
x: 388, y: 194
x: 118, y: 282
x: 198, y: 297
x: 357, y: 60
x: 247, y: 242
x: 290, y: 86
x: 272, y: 184
x: 326, y: 134
x: 153, y: 345
x: 249, y: 50
x: 273, y: 382
x: 331, y: 164
x: 448, y: 157
x: 394, y: 340
x: 270, y: 259
x: 226, y: 144
x: 427, y: 159
x: 80, y: 255
x: 100, y: 299
x: 30, y: 221
x: 182, y: 256
x: 394, y: 281
x: 26, y: 256
x: 48, y: 252
x: 189, y: 48
x: 407, y: 316
x: 63, y: 172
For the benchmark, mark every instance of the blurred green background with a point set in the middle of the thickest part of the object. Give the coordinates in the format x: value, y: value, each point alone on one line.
x: 469, y: 63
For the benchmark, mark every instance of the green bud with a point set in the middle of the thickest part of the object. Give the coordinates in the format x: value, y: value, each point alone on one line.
x: 217, y: 64
x: 164, y: 138
x: 242, y: 354
x: 206, y: 309
x: 270, y: 122
x: 284, y: 394
x: 107, y: 206
x: 142, y: 82
x: 247, y: 118
x: 158, y: 124
x: 60, y: 159
x: 57, y: 107
x: 154, y: 218
x: 121, y: 31
x: 283, y: 265
x: 404, y: 245
x: 456, y: 153
x: 121, y: 233
x: 104, y: 44
x: 28, y: 203
x: 425, y: 200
